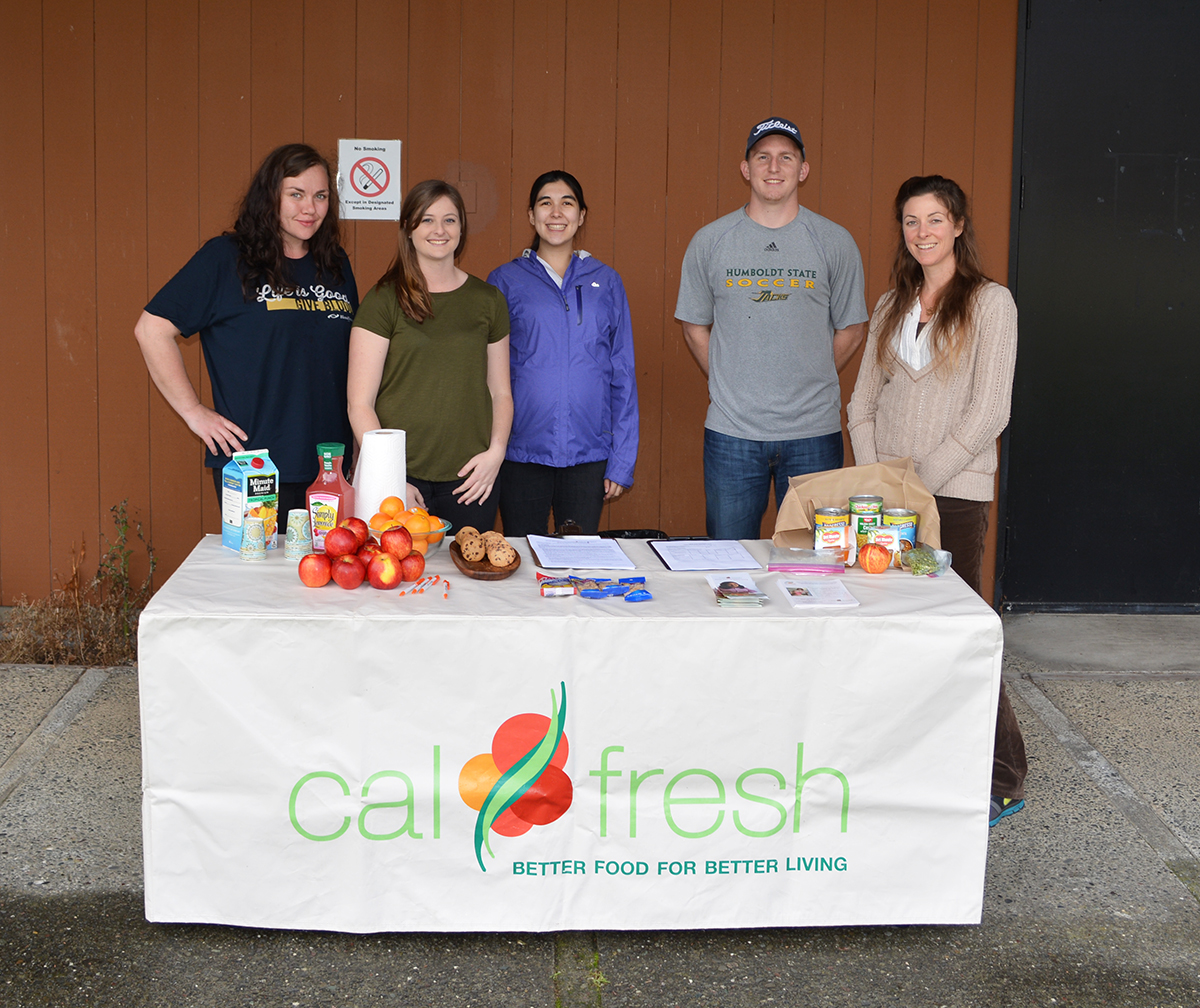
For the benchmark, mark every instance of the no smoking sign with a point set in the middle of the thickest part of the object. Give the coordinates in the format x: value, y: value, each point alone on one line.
x: 369, y: 179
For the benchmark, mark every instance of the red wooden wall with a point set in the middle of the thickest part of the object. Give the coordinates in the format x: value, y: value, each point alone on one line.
x: 130, y: 131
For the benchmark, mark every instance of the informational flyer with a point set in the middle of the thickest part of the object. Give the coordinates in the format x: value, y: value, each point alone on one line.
x: 368, y: 180
x: 808, y: 593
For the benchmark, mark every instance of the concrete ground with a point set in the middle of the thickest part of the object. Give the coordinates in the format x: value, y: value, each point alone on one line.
x: 1092, y: 895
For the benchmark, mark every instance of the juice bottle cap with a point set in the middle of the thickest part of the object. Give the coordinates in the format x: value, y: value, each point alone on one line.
x: 256, y: 462
x: 331, y: 449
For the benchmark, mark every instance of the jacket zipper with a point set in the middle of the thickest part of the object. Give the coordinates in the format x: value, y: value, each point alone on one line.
x: 579, y: 303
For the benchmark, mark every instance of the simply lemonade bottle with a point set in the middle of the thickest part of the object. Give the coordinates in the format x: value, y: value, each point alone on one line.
x: 330, y: 498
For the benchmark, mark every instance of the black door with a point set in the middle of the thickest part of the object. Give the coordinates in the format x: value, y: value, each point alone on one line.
x: 1101, y: 486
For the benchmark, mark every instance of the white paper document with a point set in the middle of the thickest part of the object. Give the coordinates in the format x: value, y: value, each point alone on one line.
x: 580, y: 553
x: 805, y: 593
x: 704, y: 554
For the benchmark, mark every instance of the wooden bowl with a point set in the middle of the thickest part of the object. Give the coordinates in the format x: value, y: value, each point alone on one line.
x: 481, y: 570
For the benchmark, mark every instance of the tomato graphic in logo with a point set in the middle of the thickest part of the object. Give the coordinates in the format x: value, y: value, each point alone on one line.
x: 520, y: 783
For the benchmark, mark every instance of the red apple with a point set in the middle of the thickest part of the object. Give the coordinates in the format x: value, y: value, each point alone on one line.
x: 874, y: 558
x: 397, y: 541
x: 384, y: 571
x: 315, y: 570
x: 358, y: 527
x: 348, y: 571
x: 341, y: 541
x: 368, y: 550
x: 412, y: 567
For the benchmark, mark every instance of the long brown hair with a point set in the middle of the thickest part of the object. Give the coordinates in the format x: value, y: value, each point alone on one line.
x: 257, y: 229
x: 950, y: 328
x: 404, y: 274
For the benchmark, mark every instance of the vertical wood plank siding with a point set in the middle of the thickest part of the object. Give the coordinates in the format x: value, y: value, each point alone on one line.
x: 134, y: 130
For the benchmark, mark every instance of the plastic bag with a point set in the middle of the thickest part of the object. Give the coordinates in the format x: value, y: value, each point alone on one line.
x: 924, y: 560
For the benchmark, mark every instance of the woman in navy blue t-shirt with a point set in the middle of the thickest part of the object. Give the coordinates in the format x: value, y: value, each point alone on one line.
x: 272, y: 300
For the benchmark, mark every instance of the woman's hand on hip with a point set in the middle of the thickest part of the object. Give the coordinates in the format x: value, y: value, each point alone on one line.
x: 218, y: 433
x: 480, y: 472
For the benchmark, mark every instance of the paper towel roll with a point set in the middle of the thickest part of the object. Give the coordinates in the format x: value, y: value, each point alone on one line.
x: 382, y: 471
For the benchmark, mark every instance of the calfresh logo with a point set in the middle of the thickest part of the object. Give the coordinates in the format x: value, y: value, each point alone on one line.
x: 520, y: 783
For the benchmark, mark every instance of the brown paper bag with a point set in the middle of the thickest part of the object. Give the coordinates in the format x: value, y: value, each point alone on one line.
x: 896, y: 482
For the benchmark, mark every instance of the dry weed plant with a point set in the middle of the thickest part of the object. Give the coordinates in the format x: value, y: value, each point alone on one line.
x: 84, y: 622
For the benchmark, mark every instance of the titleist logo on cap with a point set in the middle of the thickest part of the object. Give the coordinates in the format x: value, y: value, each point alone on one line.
x: 775, y: 124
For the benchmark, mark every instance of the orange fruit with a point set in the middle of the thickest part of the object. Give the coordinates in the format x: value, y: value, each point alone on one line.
x: 391, y: 506
x: 420, y: 511
x: 416, y: 522
x: 435, y: 522
x: 379, y: 521
x: 420, y: 545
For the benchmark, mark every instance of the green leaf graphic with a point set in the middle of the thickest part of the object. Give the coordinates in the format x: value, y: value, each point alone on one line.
x: 519, y: 777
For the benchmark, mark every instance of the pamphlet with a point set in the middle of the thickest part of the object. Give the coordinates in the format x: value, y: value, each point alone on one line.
x: 735, y: 591
x: 810, y: 593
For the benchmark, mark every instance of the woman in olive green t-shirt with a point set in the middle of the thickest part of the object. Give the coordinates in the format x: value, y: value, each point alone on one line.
x: 429, y: 355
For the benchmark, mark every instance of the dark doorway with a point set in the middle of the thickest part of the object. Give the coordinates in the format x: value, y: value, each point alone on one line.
x: 1101, y: 485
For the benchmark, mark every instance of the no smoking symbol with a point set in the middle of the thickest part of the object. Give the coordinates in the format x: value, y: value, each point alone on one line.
x: 370, y: 177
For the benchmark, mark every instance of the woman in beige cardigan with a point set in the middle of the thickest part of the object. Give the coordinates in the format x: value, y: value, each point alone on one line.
x: 934, y: 385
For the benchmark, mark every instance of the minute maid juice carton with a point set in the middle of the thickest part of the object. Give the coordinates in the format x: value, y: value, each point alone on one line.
x: 249, y: 489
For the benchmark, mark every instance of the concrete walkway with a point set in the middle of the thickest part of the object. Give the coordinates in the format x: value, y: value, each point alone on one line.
x: 1092, y: 898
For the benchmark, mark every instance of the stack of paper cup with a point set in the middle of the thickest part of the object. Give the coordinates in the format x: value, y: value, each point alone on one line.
x: 381, y: 472
x: 254, y: 540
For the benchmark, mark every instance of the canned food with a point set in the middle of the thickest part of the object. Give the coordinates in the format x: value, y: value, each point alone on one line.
x: 906, y: 522
x: 830, y: 516
x: 865, y: 513
x: 887, y: 536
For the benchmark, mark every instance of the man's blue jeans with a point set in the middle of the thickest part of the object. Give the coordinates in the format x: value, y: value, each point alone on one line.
x: 738, y: 476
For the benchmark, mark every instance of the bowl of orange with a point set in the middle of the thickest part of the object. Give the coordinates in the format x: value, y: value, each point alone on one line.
x: 428, y: 531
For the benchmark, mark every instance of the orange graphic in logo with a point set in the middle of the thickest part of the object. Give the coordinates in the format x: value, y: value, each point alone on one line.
x: 520, y: 783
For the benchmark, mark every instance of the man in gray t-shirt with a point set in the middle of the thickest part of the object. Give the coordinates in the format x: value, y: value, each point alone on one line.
x: 771, y: 301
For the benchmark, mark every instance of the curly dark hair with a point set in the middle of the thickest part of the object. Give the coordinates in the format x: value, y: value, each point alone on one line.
x: 260, y: 244
x: 404, y: 274
x: 950, y: 329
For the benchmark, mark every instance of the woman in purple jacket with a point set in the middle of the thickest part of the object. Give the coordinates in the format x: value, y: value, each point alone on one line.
x: 575, y: 426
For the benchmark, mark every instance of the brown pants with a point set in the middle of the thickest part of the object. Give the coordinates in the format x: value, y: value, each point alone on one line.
x: 964, y: 527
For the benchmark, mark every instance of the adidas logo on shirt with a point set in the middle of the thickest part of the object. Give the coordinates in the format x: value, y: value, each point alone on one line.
x: 771, y: 248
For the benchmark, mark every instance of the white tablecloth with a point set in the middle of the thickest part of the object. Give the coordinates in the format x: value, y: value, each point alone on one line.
x: 302, y: 749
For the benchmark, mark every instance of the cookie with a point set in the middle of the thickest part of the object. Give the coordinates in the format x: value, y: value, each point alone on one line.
x: 501, y: 554
x: 466, y: 532
x: 473, y: 549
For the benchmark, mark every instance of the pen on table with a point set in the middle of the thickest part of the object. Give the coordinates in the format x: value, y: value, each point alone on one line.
x: 446, y: 590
